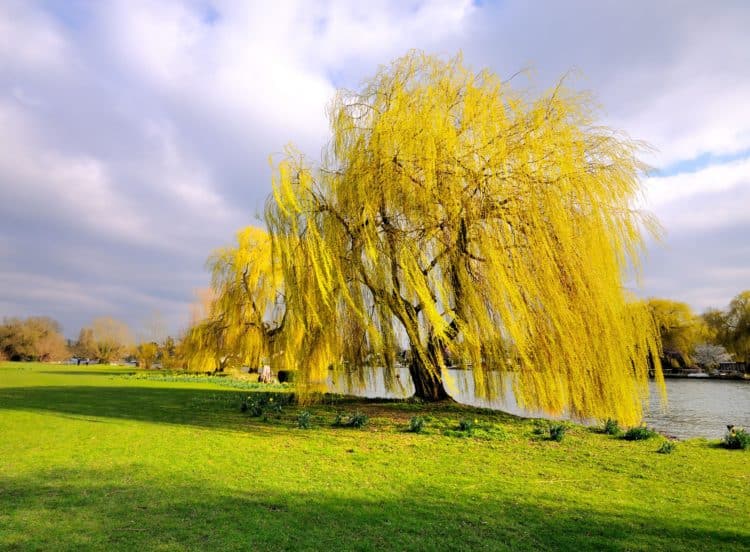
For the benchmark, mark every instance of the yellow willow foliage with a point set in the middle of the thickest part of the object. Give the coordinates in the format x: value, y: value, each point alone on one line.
x: 478, y: 227
x: 245, y: 311
x: 679, y: 329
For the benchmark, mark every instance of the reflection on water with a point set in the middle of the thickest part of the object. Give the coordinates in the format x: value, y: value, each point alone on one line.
x: 346, y: 383
x: 459, y: 384
x: 696, y: 408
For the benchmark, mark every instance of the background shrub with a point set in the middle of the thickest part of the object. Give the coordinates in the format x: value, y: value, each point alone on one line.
x: 667, y: 447
x: 416, y: 424
x: 286, y: 376
x: 639, y: 433
x: 557, y: 432
x: 264, y: 404
x: 358, y: 419
x: 466, y: 425
x: 737, y: 439
x: 304, y: 419
x: 611, y: 427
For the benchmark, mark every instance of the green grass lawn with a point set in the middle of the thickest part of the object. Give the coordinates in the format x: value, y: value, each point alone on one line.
x: 94, y: 459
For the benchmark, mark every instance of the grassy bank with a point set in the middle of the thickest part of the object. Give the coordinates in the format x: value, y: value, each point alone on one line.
x: 93, y: 458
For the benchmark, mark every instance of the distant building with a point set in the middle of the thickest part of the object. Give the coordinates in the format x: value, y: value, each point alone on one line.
x: 732, y: 368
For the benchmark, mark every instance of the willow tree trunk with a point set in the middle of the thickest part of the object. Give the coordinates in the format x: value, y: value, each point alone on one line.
x: 264, y: 374
x: 428, y: 386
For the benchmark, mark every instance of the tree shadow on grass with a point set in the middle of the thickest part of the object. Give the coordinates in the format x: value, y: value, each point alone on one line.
x: 208, y: 408
x: 112, y: 372
x: 126, y: 510
x: 214, y: 408
x: 198, y: 407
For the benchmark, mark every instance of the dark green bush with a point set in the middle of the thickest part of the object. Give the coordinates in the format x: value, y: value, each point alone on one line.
x: 611, y: 427
x: 358, y: 419
x: 304, y: 419
x: 265, y: 404
x: 737, y: 439
x: 286, y: 376
x: 667, y: 447
x: 256, y: 409
x: 557, y: 432
x: 466, y: 425
x: 639, y: 433
x: 416, y: 424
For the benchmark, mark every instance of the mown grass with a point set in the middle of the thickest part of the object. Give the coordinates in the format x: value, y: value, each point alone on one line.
x: 93, y: 459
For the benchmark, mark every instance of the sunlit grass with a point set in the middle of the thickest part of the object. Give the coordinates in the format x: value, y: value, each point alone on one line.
x: 91, y: 458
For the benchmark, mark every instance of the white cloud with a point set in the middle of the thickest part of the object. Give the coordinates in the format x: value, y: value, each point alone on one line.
x: 688, y: 97
x: 41, y: 182
x: 32, y: 294
x: 714, y: 197
x: 268, y: 66
x: 136, y: 137
x: 690, y: 118
x: 30, y: 38
x: 670, y: 73
x: 184, y: 180
x: 374, y: 33
x: 50, y: 292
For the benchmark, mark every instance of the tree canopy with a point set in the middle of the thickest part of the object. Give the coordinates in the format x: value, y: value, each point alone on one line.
x: 107, y: 340
x: 243, y: 313
x: 33, y: 338
x: 680, y: 330
x: 731, y: 328
x: 476, y: 226
x: 738, y: 326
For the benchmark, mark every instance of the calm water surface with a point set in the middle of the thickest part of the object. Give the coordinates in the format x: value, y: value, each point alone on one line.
x: 700, y: 408
x: 695, y: 408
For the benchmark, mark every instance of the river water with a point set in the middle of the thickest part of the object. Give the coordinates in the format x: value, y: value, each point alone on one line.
x: 700, y: 407
x: 695, y: 407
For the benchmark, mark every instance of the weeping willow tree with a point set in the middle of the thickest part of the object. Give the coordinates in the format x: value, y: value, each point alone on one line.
x: 244, y: 312
x: 476, y: 226
x: 680, y: 331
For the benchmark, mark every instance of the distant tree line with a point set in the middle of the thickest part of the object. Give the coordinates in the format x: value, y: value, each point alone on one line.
x: 106, y: 340
x: 687, y: 339
x: 707, y: 340
x: 33, y: 338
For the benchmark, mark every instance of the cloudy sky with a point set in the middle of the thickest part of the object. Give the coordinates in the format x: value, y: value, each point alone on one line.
x: 135, y: 136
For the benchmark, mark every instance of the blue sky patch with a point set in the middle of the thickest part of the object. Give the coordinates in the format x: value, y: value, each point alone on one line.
x: 700, y: 162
